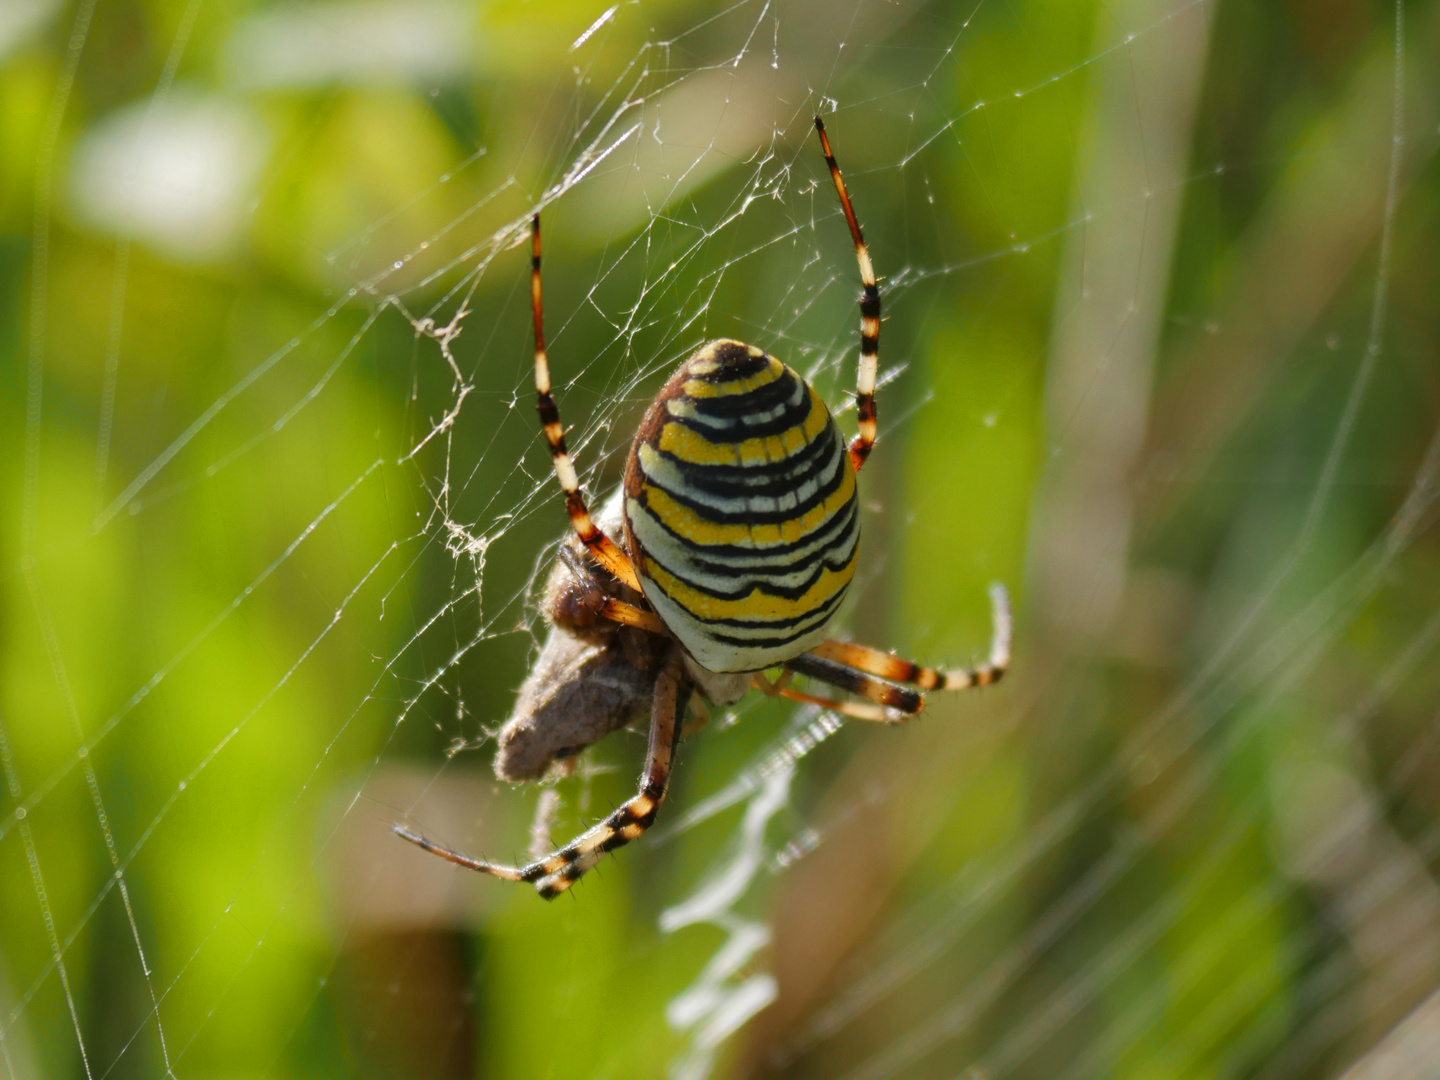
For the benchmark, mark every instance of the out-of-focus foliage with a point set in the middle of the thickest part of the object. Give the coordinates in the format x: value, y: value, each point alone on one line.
x: 1161, y: 298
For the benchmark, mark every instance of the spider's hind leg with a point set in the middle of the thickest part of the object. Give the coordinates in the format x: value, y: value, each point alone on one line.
x: 874, y: 662
x: 885, y: 702
x: 861, y: 445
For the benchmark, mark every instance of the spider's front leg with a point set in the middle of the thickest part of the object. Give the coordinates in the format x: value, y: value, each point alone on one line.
x: 556, y: 872
x: 601, y: 547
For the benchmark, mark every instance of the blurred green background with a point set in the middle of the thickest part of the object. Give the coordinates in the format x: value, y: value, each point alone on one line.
x: 1162, y: 320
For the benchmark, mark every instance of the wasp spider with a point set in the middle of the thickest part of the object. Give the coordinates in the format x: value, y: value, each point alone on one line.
x: 740, y: 529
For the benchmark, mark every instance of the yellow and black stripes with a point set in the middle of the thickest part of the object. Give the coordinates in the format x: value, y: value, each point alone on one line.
x: 740, y: 509
x: 861, y: 445
x: 604, y: 550
x: 557, y: 871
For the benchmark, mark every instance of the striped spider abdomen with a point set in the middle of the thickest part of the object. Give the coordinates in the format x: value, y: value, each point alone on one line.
x: 740, y: 509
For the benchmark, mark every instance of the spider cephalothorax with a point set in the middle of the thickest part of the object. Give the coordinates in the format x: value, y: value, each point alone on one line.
x: 740, y: 527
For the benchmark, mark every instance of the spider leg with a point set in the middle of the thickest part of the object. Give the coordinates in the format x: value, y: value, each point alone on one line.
x: 875, y: 662
x: 892, y: 703
x: 890, y: 713
x: 859, y: 710
x: 869, y: 316
x: 509, y: 873
x: 564, y: 867
x: 556, y: 872
x: 771, y: 689
x: 702, y: 716
x: 630, y: 615
x: 605, y: 551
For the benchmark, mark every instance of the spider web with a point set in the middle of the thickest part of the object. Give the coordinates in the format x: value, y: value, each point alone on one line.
x: 1159, y: 308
